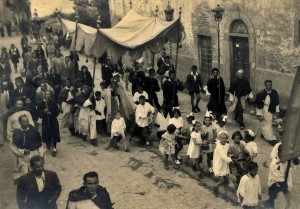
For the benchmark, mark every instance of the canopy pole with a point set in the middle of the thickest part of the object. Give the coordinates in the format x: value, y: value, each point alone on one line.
x: 95, y: 59
x: 76, y: 29
x: 153, y: 54
x: 178, y: 36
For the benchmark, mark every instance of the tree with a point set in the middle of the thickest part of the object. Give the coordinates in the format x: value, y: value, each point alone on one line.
x: 88, y: 11
x: 19, y: 6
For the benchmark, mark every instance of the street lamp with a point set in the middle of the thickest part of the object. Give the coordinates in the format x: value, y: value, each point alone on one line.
x: 169, y: 14
x: 218, y: 13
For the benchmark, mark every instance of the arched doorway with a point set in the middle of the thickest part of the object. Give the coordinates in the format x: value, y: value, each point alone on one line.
x: 239, y: 48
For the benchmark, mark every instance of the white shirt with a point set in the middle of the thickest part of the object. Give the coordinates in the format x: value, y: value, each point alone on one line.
x: 221, y: 160
x: 277, y: 173
x: 177, y: 122
x: 251, y: 147
x: 40, y: 181
x: 137, y: 95
x: 83, y: 204
x: 249, y: 188
x: 194, y: 75
x: 118, y: 127
x: 162, y: 121
x: 141, y: 114
x: 100, y: 105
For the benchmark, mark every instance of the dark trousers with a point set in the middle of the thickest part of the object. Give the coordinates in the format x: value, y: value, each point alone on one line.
x: 2, y: 32
x: 249, y: 207
x: 154, y: 100
x: 101, y: 126
x: 209, y: 159
x: 114, y: 141
x: 239, y: 113
x: 273, y: 192
x: 178, y: 147
x: 142, y: 132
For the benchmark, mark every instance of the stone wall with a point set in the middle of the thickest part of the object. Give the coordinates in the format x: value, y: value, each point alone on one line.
x: 273, y: 27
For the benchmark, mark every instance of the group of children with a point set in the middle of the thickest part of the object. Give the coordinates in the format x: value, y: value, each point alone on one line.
x: 210, y: 140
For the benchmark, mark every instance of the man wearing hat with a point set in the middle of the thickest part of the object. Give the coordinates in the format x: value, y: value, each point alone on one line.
x: 239, y: 91
x: 163, y: 71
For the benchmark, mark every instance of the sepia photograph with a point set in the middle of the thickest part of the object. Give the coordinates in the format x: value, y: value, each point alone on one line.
x: 149, y: 104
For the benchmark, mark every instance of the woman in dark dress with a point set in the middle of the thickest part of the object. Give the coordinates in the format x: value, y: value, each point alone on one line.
x: 49, y: 111
x: 54, y: 80
x: 86, y: 75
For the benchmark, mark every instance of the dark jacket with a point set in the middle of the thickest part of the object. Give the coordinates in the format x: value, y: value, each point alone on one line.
x: 193, y: 85
x: 14, y: 55
x: 274, y: 100
x: 102, y: 200
x: 27, y: 139
x: 28, y: 196
x: 26, y: 92
x: 151, y: 86
x: 170, y: 90
x: 240, y: 87
x: 5, y: 69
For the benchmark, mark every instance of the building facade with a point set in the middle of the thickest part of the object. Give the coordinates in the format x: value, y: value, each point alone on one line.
x: 260, y: 36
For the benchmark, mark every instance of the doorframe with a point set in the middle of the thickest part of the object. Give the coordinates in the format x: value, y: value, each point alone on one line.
x: 237, y: 12
x: 235, y: 35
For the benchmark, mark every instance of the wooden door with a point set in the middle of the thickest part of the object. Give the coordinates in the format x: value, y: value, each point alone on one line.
x: 240, y: 57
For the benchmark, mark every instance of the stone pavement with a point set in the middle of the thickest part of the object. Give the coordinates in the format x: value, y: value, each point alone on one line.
x: 136, y: 179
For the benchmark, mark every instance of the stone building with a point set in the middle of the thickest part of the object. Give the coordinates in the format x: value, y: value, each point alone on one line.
x: 260, y: 36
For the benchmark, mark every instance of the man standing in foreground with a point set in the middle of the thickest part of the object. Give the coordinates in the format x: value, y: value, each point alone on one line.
x: 90, y: 196
x: 267, y: 104
x: 39, y: 188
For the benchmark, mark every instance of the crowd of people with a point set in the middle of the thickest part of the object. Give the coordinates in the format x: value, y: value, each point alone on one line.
x: 51, y: 84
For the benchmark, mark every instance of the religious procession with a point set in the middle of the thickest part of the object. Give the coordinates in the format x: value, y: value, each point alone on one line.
x: 122, y: 89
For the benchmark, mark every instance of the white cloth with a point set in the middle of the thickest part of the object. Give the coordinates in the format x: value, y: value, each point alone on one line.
x: 251, y: 147
x: 277, y: 173
x: 162, y: 121
x: 83, y: 204
x: 249, y: 188
x: 141, y: 114
x: 177, y: 122
x: 100, y: 106
x: 87, y: 120
x: 267, y: 122
x: 221, y: 160
x: 40, y: 181
x: 118, y: 127
x: 137, y: 95
x: 194, y: 150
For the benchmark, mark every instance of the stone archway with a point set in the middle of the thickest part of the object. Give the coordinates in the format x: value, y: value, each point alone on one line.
x: 231, y: 15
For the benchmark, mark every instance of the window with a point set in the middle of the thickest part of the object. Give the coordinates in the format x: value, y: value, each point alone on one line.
x: 205, y: 53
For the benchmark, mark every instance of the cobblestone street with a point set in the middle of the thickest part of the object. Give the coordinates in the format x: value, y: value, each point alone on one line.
x: 135, y: 180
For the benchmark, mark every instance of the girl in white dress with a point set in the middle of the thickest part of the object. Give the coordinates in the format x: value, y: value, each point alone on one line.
x: 194, y: 149
x: 177, y: 121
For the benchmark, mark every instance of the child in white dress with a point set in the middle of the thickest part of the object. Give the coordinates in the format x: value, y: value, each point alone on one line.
x: 221, y: 162
x: 250, y: 145
x: 167, y: 146
x: 210, y: 135
x: 177, y: 121
x: 161, y: 121
x: 194, y: 149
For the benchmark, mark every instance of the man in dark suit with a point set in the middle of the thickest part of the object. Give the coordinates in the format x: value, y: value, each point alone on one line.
x: 151, y: 87
x: 39, y: 188
x: 22, y: 92
x: 194, y: 85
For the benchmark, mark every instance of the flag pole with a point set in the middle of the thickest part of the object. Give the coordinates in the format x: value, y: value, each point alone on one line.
x: 95, y: 59
x: 178, y: 36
